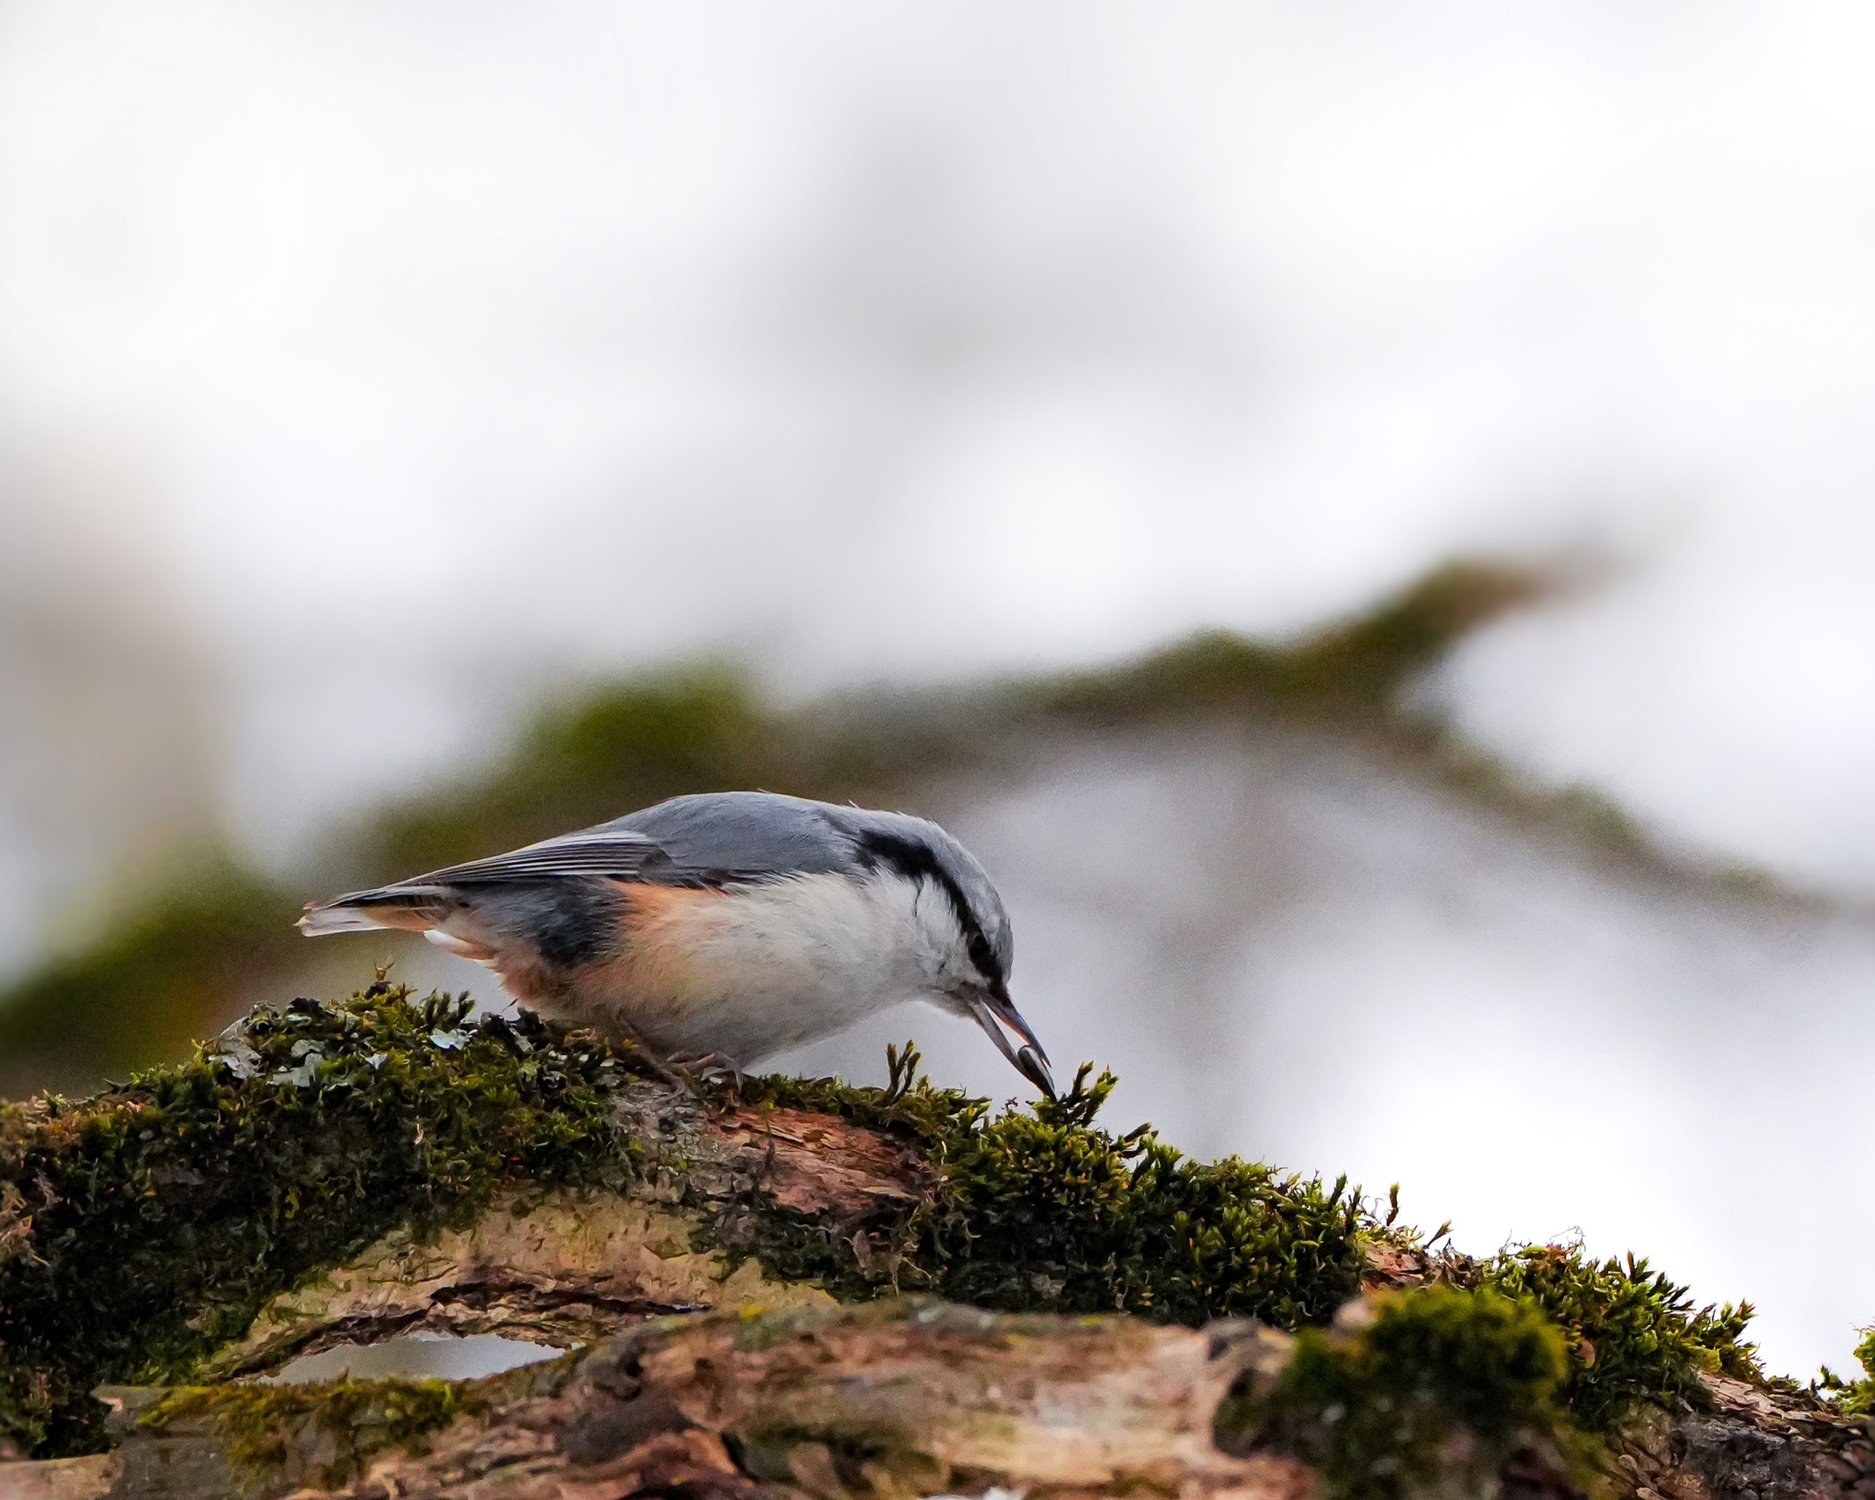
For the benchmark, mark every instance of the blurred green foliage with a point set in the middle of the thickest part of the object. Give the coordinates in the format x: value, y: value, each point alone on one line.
x: 167, y: 971
x: 1354, y: 669
x: 199, y: 948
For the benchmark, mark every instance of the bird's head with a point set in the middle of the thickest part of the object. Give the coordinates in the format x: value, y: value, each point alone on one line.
x: 964, y: 946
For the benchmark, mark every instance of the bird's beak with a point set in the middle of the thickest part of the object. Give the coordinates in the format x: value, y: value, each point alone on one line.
x: 994, y: 1010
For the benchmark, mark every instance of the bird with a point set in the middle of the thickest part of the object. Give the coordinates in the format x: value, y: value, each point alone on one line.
x: 722, y: 927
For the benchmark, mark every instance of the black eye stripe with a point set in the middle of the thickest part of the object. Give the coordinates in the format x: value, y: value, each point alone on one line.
x: 916, y: 862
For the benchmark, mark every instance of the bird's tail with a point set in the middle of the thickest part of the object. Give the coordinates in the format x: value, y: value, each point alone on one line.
x: 414, y: 908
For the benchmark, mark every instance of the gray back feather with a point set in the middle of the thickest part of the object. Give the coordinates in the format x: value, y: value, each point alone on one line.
x: 757, y: 833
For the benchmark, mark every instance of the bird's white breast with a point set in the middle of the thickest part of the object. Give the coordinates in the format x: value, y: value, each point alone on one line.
x: 748, y: 972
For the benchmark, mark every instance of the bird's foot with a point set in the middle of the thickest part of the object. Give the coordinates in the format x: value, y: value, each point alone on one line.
x: 647, y: 1058
x: 715, y: 1067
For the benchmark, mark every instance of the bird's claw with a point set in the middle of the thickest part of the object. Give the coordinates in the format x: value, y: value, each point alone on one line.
x: 714, y: 1067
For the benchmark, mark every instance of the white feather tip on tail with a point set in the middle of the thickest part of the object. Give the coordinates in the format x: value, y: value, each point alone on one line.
x: 320, y: 921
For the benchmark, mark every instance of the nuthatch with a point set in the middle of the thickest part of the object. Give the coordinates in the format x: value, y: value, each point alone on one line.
x: 726, y: 925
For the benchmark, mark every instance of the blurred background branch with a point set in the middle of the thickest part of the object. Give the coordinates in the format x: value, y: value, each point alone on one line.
x: 209, y: 939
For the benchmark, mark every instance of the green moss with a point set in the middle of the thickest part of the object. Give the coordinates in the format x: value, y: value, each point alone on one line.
x: 1043, y: 1213
x: 1435, y: 1391
x: 344, y: 1422
x: 144, y: 1227
x: 1633, y: 1334
x: 1855, y: 1398
x: 909, y: 1104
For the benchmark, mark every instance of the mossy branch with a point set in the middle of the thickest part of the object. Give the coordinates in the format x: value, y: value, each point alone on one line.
x: 326, y: 1174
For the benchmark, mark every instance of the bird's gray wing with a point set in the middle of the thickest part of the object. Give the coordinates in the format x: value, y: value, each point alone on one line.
x: 536, y: 887
x: 763, y: 834
x: 616, y: 853
x: 705, y: 839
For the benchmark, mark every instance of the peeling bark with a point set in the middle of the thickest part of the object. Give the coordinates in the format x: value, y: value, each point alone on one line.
x: 566, y: 1270
x: 887, y: 1400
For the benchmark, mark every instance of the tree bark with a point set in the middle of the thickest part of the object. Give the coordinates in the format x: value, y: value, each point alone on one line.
x: 888, y: 1399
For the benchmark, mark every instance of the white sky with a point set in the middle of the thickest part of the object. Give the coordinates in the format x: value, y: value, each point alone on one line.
x: 392, y: 360
x: 590, y: 333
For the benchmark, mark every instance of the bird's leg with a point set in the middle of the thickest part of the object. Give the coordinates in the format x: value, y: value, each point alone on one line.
x: 645, y: 1053
x: 718, y: 1067
x: 684, y: 1072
